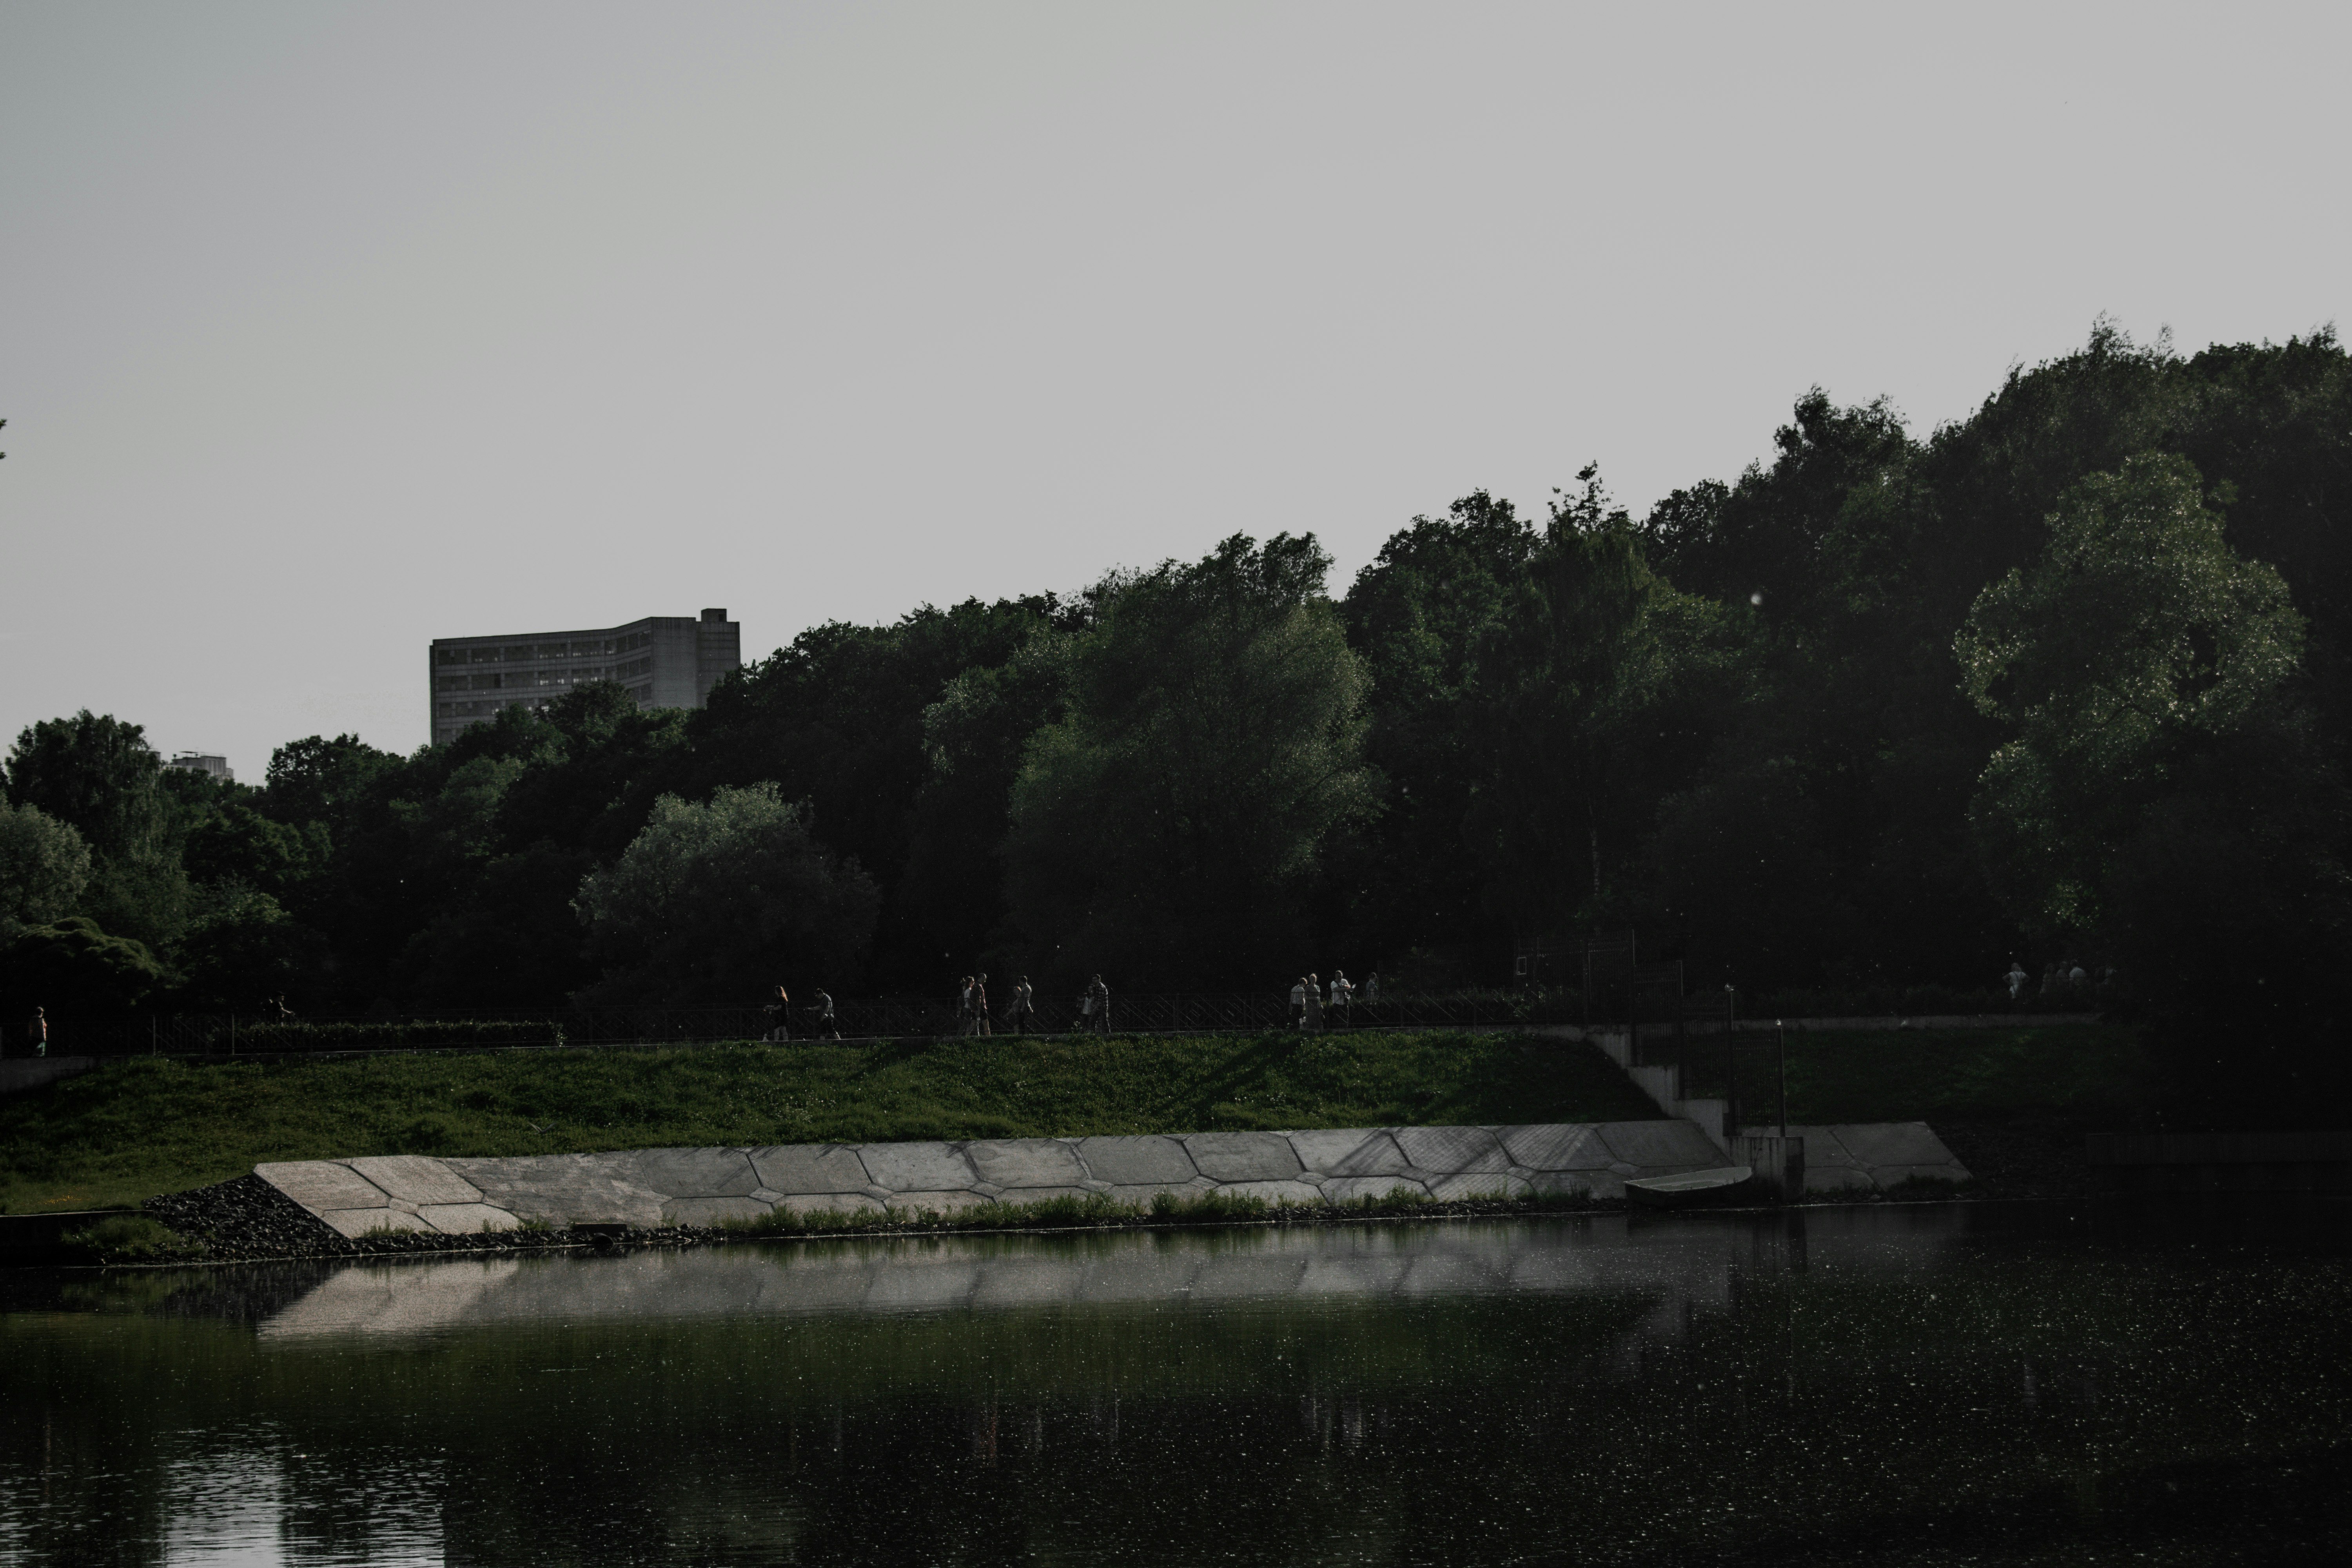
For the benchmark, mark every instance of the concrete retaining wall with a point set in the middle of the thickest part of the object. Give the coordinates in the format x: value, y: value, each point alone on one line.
x: 649, y: 1187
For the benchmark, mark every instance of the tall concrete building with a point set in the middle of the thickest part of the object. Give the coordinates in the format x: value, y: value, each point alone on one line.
x: 665, y: 662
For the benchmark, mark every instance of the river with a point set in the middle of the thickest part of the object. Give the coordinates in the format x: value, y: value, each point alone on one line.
x: 1883, y: 1385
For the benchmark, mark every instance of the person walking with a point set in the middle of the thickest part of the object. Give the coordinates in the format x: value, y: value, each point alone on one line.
x: 1311, y: 1020
x: 1099, y: 1004
x: 2016, y: 978
x: 1021, y: 1006
x: 1343, y: 995
x: 822, y: 1008
x: 1298, y: 1003
x: 980, y: 1006
x: 963, y: 1007
x: 783, y: 1009
x: 1371, y: 996
x: 36, y: 1032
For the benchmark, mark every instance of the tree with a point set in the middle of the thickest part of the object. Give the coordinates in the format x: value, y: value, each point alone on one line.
x: 1426, y: 615
x: 44, y: 865
x: 72, y: 964
x: 1168, y: 827
x: 241, y: 948
x: 2137, y: 640
x: 97, y: 773
x: 719, y: 902
x: 837, y: 719
x: 237, y: 844
x: 1595, y: 690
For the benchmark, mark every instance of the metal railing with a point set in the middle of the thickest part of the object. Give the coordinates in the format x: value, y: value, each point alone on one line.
x: 1142, y: 1013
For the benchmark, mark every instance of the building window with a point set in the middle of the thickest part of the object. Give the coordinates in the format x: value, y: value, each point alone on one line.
x: 449, y: 683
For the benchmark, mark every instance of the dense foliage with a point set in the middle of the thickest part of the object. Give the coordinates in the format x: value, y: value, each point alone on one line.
x: 2062, y: 683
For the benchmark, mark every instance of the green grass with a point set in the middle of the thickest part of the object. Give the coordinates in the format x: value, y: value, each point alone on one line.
x: 2087, y: 1073
x: 152, y: 1125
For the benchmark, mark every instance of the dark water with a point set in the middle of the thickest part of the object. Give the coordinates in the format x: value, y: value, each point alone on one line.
x: 1954, y: 1384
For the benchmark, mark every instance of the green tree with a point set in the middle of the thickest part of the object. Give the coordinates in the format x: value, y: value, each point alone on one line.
x: 97, y: 773
x: 71, y: 966
x: 719, y: 902
x: 2137, y: 640
x: 1168, y: 826
x: 1426, y: 615
x: 1598, y: 679
x: 241, y: 948
x: 44, y: 865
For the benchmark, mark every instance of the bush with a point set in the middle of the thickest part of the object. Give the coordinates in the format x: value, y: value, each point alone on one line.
x: 127, y: 1238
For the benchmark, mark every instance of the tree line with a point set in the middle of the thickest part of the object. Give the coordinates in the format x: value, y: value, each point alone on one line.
x: 2066, y: 680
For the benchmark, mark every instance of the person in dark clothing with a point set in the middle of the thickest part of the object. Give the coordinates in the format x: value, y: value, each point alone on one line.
x: 1098, y: 1006
x: 980, y: 1005
x: 822, y: 1008
x: 1021, y: 1007
x: 782, y: 1008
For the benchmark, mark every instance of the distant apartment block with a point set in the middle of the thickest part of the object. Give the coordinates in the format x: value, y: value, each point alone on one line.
x: 665, y: 662
x: 202, y: 763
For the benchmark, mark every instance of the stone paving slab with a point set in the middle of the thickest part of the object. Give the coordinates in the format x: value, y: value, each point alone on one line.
x: 809, y: 1168
x: 1350, y: 1151
x: 562, y: 1189
x: 1560, y: 1147
x: 1894, y: 1144
x: 1452, y: 1149
x: 319, y: 1185
x: 1649, y: 1144
x: 690, y: 1172
x: 1026, y: 1163
x: 417, y: 1179
x: 911, y: 1167
x: 1244, y: 1156
x: 1151, y: 1161
x: 649, y: 1187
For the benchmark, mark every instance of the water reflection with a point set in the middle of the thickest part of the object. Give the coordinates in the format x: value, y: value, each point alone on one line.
x: 1675, y: 1269
x: 1887, y: 1384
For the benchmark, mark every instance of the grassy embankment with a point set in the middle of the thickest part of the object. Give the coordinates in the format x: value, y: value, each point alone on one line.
x: 153, y: 1125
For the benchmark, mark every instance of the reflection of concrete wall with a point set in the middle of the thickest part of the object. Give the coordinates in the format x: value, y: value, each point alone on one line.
x: 1680, y: 1263
x: 704, y: 1186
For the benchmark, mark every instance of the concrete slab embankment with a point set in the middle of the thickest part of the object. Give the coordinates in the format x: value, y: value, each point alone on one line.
x: 652, y: 1187
x: 1873, y: 1156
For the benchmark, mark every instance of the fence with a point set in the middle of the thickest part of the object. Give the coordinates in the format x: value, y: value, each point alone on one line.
x: 225, y: 1034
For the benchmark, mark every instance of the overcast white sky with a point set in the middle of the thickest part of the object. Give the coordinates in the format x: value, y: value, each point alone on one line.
x: 328, y: 330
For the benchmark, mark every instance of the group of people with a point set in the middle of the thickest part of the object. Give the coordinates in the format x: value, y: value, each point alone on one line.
x: 2058, y: 979
x: 1020, y: 1016
x: 822, y: 1025
x: 1313, y: 1004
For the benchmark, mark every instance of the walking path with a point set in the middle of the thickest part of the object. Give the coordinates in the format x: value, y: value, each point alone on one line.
x: 650, y: 1187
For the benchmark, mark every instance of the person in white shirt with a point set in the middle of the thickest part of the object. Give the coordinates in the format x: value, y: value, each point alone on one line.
x: 1298, y: 1003
x: 1343, y: 995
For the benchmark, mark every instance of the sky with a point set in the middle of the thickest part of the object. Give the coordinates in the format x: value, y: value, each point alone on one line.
x: 329, y: 330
